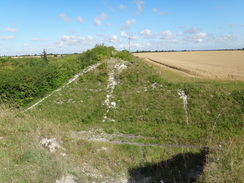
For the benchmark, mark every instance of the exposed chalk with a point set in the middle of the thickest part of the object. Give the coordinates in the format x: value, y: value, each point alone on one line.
x: 86, y: 70
x: 184, y: 98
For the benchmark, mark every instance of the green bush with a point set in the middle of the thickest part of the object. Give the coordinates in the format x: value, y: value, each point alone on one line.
x: 103, y: 74
x: 98, y: 53
x: 124, y: 55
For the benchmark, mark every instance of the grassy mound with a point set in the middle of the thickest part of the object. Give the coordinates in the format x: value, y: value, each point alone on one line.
x: 127, y: 121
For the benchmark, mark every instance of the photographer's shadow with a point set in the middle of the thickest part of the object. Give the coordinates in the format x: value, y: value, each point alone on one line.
x: 181, y: 168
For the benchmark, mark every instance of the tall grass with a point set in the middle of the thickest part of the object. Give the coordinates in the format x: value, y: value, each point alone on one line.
x: 225, y: 162
x: 22, y: 157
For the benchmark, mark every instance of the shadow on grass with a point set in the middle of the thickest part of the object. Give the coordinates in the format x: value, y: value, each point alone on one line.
x: 181, y: 168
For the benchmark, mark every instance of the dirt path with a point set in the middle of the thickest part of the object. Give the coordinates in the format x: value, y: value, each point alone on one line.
x: 122, y: 139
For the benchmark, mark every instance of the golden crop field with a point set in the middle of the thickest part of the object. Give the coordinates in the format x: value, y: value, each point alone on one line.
x: 208, y: 64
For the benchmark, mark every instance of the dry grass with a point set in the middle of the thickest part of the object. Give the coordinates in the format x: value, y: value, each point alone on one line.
x: 225, y: 164
x: 227, y: 65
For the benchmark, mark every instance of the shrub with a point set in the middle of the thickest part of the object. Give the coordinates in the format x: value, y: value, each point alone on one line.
x: 124, y: 55
x: 98, y: 53
x: 44, y: 56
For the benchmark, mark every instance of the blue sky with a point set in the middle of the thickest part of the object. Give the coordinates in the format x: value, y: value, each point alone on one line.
x: 60, y: 26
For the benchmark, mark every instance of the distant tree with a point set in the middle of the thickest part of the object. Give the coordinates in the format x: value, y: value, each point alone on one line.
x: 242, y: 48
x: 44, y: 56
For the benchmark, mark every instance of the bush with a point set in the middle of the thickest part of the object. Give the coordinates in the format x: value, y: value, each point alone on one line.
x: 98, y: 53
x: 44, y: 56
x: 124, y: 55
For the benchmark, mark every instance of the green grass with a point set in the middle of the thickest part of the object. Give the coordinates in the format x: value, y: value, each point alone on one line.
x: 148, y: 106
x: 22, y: 157
x: 226, y: 163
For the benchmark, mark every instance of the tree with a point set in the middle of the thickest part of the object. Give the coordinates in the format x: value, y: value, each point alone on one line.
x: 44, y: 56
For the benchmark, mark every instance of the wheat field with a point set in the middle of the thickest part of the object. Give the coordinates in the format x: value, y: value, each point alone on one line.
x: 227, y: 65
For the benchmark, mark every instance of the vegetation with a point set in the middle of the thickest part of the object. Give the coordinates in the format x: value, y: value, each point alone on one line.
x: 25, y: 79
x: 145, y: 135
x: 44, y: 56
x: 22, y: 158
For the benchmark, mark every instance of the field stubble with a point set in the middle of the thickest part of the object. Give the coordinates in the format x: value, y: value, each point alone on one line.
x: 226, y: 65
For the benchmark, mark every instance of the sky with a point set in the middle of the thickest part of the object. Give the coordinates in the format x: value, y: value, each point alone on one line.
x: 73, y: 26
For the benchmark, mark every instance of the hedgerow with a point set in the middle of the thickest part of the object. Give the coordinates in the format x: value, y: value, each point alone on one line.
x: 25, y: 79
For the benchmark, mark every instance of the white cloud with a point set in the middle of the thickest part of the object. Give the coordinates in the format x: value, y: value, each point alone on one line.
x: 100, y: 18
x: 139, y: 4
x: 109, y: 24
x: 64, y: 18
x: 122, y: 6
x: 179, y: 33
x: 233, y: 25
x: 134, y: 37
x: 137, y: 45
x: 202, y: 34
x: 161, y: 13
x: 114, y: 39
x: 127, y: 24
x: 192, y: 30
x: 5, y: 37
x: 97, y: 22
x: 12, y: 30
x: 193, y: 36
x: 111, y: 8
x: 146, y: 32
x: 25, y: 44
x: 103, y: 16
x: 59, y: 43
x: 199, y: 40
x: 124, y: 34
x: 79, y: 19
x: 75, y: 40
x: 182, y: 26
x: 38, y: 39
x: 90, y: 38
x: 155, y: 10
x: 167, y: 35
x: 148, y: 44
x: 228, y: 37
